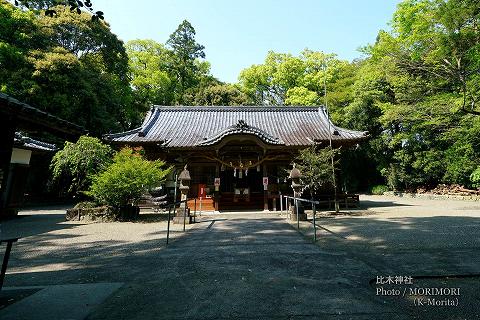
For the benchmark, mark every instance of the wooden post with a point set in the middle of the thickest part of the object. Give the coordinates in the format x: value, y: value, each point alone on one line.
x: 265, y: 192
x: 295, y: 203
x: 217, y: 193
x: 195, y: 209
x: 7, y: 134
x: 168, y: 223
x: 281, y: 203
x: 6, y: 256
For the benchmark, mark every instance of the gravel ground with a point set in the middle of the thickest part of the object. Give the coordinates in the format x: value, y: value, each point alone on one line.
x: 437, y: 242
x: 49, y: 243
x: 256, y: 265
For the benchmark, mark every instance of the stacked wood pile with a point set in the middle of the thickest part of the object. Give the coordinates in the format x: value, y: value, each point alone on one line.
x: 454, y: 189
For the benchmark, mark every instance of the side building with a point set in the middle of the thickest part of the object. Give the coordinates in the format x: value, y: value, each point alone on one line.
x: 238, y: 156
x: 16, y: 149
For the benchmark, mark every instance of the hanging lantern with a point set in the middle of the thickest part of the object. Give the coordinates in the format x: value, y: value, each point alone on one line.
x: 246, y: 172
x: 235, y: 172
x: 240, y: 174
x: 222, y: 168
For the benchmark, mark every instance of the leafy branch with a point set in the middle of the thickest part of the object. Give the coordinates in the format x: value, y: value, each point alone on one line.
x: 75, y: 6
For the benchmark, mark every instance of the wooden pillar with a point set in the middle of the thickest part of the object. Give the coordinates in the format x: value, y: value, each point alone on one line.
x: 265, y: 192
x: 7, y: 134
x: 217, y: 193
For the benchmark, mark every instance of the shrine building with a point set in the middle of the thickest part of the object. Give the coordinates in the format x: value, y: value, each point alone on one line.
x: 238, y: 156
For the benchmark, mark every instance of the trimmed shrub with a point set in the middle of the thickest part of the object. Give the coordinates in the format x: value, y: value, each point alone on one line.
x: 379, y: 189
x: 475, y: 178
x: 127, y: 178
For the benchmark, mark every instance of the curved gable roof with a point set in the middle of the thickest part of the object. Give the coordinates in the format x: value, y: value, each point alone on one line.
x: 240, y: 128
x: 183, y: 127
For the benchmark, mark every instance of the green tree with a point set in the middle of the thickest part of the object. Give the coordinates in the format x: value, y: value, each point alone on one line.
x: 185, y: 52
x: 216, y: 94
x: 19, y: 33
x: 284, y: 79
x: 268, y: 83
x: 315, y: 164
x: 127, y: 179
x: 414, y: 94
x: 149, y: 69
x: 67, y: 65
x: 154, y: 72
x: 475, y: 178
x: 437, y: 40
x: 75, y: 165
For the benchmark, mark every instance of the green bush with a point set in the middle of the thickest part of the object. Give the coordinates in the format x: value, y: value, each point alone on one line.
x: 76, y: 163
x: 461, y: 160
x: 475, y: 178
x: 379, y: 189
x: 127, y: 178
x: 396, y: 176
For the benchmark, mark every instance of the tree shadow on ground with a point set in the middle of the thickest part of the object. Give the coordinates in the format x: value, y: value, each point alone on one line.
x: 366, y: 204
x: 232, y: 269
x: 152, y: 217
x: 422, y: 245
x: 34, y: 222
x: 253, y: 267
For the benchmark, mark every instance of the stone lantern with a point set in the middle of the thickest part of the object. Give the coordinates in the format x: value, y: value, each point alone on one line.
x: 297, y: 186
x: 184, y: 179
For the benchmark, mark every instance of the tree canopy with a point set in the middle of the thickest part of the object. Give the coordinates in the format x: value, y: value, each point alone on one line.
x: 284, y: 79
x: 149, y: 70
x: 416, y: 89
x: 416, y: 93
x: 176, y: 73
x: 68, y: 65
x: 184, y: 64
x: 48, y: 7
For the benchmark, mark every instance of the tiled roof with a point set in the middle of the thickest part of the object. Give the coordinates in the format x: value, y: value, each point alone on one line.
x: 241, y: 128
x: 25, y: 142
x: 29, y: 115
x: 182, y: 126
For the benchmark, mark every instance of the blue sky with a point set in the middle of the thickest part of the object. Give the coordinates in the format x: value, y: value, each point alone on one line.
x: 237, y: 34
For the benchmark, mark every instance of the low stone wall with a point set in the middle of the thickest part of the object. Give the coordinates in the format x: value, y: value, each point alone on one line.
x: 429, y: 196
x: 103, y: 214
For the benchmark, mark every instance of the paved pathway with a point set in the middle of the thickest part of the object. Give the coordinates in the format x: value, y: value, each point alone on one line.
x: 250, y: 267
